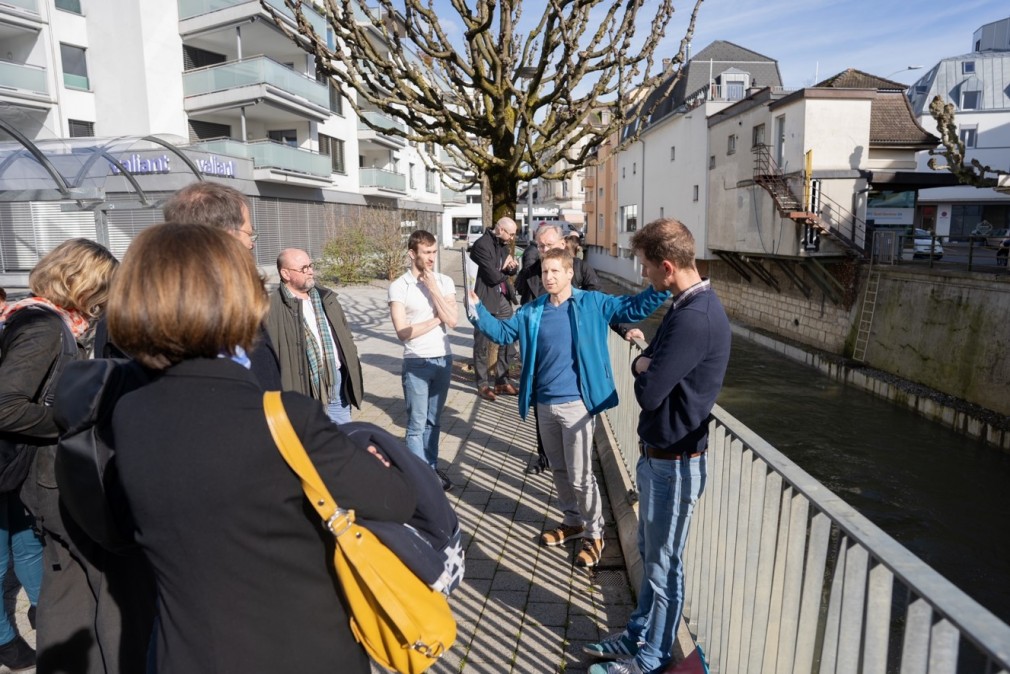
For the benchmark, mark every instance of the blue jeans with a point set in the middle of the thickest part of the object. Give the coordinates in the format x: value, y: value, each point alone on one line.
x: 18, y: 538
x: 668, y: 491
x: 425, y: 389
x: 338, y: 409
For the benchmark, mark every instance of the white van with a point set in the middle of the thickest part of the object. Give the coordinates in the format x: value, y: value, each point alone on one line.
x: 474, y: 229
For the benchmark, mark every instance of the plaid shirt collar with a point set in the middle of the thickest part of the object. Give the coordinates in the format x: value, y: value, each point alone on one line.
x: 699, y: 287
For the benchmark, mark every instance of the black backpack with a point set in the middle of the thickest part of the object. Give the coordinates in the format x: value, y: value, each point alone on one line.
x: 86, y: 396
x: 18, y: 452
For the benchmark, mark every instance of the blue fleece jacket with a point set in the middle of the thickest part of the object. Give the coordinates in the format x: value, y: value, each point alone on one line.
x: 590, y: 313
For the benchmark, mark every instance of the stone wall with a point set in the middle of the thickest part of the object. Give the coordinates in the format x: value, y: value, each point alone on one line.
x: 815, y: 321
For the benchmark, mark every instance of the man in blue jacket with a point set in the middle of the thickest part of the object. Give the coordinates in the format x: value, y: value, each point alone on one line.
x: 677, y: 379
x: 566, y: 374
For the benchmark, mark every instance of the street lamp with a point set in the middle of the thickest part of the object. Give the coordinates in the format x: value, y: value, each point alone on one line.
x: 901, y: 70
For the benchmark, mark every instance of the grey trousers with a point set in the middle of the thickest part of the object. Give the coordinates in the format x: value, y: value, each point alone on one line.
x: 567, y: 433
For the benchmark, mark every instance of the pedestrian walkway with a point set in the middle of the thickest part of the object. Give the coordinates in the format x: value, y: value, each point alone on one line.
x: 521, y: 607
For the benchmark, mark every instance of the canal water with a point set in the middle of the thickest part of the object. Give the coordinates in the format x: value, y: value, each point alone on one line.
x: 944, y: 496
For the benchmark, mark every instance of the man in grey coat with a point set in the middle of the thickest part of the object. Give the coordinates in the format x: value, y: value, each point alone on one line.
x: 308, y: 328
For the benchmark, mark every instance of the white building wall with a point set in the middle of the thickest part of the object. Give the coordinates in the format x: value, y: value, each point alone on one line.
x: 838, y: 130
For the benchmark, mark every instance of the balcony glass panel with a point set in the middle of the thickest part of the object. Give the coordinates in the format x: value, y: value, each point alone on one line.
x: 22, y: 77
x: 380, y: 120
x: 258, y: 70
x: 77, y: 81
x: 373, y: 177
x: 30, y: 5
x: 191, y: 8
x: 267, y: 154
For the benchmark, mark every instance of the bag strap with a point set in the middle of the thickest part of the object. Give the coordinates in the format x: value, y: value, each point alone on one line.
x: 294, y: 453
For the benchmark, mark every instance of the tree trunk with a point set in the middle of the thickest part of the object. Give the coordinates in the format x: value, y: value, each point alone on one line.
x: 504, y: 190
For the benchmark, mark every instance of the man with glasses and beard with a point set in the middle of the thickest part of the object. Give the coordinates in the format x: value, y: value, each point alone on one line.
x: 307, y: 325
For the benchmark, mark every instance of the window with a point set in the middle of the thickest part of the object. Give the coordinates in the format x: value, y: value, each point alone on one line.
x: 287, y: 137
x: 634, y: 168
x: 711, y: 162
x: 335, y: 148
x: 336, y: 100
x: 968, y: 135
x: 673, y: 153
x: 731, y: 144
x: 599, y: 221
x: 968, y: 67
x: 410, y: 175
x: 564, y: 188
x: 629, y: 216
x: 694, y: 196
x: 599, y: 193
x: 661, y: 212
x: 757, y: 135
x: 623, y: 171
x: 75, y: 67
x: 69, y: 6
x: 429, y: 180
x: 79, y: 129
x: 969, y: 100
x: 734, y: 91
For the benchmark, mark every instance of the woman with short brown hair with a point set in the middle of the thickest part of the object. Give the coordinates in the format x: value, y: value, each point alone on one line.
x: 241, y: 561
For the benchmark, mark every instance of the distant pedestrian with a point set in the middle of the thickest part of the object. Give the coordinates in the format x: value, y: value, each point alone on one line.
x: 313, y: 341
x: 495, y: 264
x: 677, y: 380
x: 566, y: 374
x: 422, y: 306
x: 227, y: 209
x: 573, y: 239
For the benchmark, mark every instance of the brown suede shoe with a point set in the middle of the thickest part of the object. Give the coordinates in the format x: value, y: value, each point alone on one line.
x: 486, y: 393
x: 506, y: 389
x: 589, y: 555
x: 558, y: 536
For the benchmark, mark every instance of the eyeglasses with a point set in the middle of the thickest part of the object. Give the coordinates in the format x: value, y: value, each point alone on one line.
x: 252, y: 235
x: 303, y: 270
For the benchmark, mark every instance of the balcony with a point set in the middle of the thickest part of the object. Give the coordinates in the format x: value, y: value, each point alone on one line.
x: 255, y: 82
x: 18, y: 16
x: 206, y: 16
x: 377, y: 181
x: 22, y: 84
x: 273, y: 161
x: 367, y: 135
x: 452, y: 196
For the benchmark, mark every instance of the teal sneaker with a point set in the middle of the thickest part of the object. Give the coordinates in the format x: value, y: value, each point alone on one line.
x: 616, y: 667
x: 615, y: 647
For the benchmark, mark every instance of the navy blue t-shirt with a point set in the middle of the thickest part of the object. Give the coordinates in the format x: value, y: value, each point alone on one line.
x: 556, y: 378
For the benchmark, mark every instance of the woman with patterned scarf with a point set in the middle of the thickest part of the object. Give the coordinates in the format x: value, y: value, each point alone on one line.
x: 40, y: 334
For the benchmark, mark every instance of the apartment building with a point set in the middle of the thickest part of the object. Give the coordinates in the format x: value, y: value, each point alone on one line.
x: 978, y: 84
x: 664, y: 173
x: 123, y: 102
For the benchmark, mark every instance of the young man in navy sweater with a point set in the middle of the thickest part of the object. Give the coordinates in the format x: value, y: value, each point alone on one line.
x: 677, y: 379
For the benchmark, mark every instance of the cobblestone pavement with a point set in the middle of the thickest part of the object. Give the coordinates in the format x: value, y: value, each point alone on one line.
x: 521, y: 607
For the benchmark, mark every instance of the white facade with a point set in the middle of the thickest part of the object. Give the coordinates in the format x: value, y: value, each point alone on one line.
x: 217, y: 77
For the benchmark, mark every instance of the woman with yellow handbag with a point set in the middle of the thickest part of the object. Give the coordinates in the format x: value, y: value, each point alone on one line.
x: 242, y: 562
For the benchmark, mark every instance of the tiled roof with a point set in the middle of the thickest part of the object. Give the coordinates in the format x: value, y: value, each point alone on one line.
x: 857, y: 79
x: 892, y: 123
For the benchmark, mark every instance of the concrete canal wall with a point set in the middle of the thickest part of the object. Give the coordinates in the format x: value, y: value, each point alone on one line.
x: 939, y: 342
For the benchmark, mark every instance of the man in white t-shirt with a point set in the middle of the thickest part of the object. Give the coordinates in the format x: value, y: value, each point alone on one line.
x: 422, y: 304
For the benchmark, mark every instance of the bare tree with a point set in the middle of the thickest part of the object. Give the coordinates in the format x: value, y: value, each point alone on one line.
x: 504, y: 106
x: 972, y: 172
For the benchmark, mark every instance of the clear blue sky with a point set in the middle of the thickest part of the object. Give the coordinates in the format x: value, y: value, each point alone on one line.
x: 823, y: 36
x: 828, y: 36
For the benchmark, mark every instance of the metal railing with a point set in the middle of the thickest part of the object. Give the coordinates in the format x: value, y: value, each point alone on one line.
x: 782, y: 576
x: 190, y: 8
x: 382, y: 179
x: 23, y: 77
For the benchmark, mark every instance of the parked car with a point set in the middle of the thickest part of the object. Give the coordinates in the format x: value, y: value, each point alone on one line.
x: 474, y: 230
x: 923, y: 245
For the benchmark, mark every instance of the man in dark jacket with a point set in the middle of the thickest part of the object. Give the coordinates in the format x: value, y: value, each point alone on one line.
x: 307, y: 325
x: 223, y: 207
x: 494, y: 265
